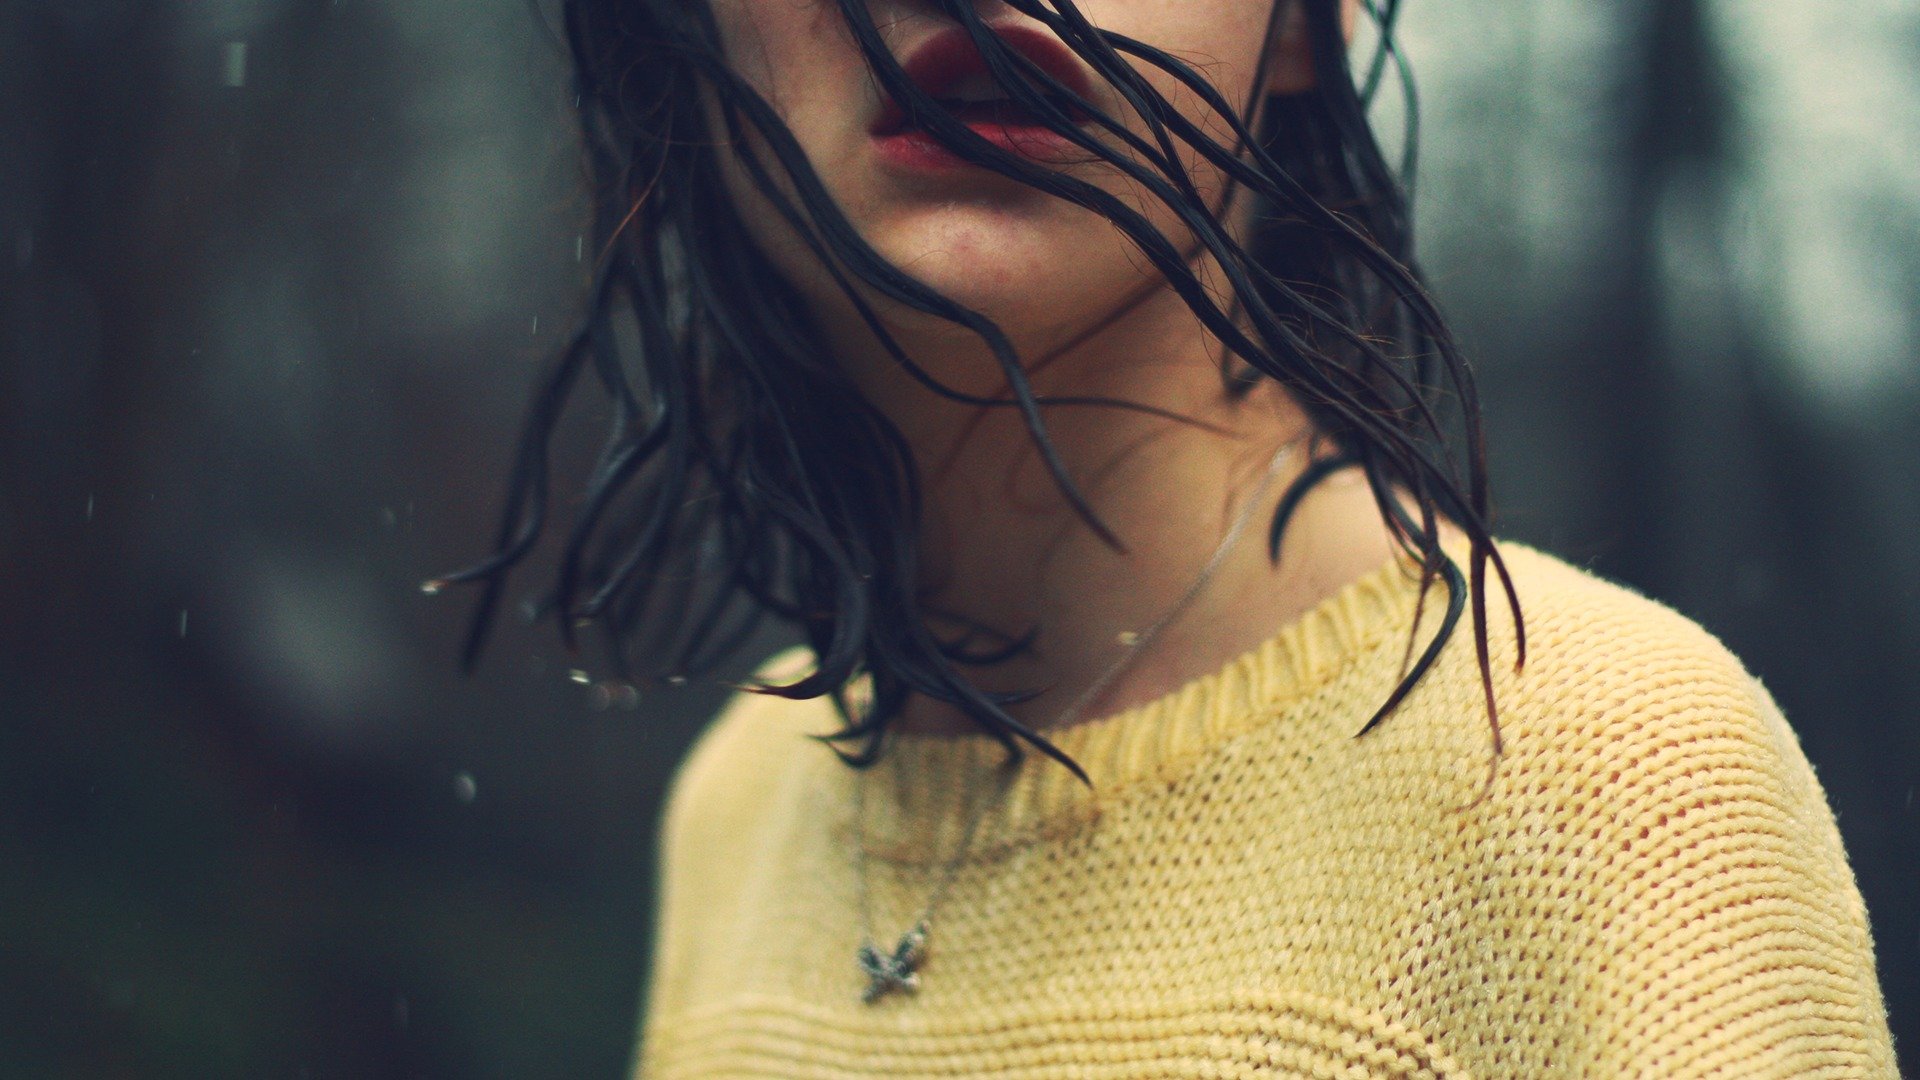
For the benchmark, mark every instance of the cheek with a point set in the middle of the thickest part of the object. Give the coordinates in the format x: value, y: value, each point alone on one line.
x: 798, y: 56
x: 1205, y: 33
x: 791, y: 51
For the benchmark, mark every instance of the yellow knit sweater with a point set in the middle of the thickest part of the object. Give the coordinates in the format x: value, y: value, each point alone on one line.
x: 1653, y: 887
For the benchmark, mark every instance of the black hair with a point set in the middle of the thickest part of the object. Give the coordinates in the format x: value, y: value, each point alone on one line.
x: 744, y: 475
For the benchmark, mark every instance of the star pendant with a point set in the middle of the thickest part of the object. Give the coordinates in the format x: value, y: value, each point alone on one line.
x: 887, y: 972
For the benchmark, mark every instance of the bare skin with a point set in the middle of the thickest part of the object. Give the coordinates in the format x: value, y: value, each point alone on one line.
x: 1001, y: 546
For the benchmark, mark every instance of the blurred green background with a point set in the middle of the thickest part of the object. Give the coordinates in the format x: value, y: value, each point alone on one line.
x: 276, y: 275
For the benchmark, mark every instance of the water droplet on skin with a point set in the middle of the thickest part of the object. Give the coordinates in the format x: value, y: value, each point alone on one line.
x: 465, y: 788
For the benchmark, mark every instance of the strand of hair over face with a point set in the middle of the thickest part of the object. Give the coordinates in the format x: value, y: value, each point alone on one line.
x: 744, y: 476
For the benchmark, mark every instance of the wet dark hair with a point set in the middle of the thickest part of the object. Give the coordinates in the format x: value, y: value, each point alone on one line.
x: 745, y: 476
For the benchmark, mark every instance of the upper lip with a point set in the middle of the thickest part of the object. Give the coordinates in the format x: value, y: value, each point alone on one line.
x: 949, y: 56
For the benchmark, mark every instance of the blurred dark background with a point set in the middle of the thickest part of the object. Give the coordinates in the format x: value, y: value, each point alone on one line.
x: 275, y: 276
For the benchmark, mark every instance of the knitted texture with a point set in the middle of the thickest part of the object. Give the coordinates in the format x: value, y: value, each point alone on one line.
x: 1652, y: 885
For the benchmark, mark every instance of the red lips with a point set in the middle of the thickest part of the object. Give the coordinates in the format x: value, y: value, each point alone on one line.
x: 949, y: 57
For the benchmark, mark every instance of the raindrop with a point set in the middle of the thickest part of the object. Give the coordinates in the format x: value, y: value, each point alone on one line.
x: 388, y: 517
x: 580, y: 677
x: 579, y: 247
x: 676, y: 680
x: 433, y: 587
x: 89, y: 506
x: 614, y: 694
x: 234, y: 69
x: 183, y: 622
x: 465, y: 788
x: 23, y: 248
x: 536, y: 325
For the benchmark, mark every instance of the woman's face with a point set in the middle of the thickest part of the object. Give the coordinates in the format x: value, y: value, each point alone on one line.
x: 1041, y: 267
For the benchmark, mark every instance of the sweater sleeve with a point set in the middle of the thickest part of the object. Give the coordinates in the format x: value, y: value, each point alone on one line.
x: 1718, y: 931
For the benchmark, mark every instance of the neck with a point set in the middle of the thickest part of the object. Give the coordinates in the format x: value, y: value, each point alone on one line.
x: 1005, y: 554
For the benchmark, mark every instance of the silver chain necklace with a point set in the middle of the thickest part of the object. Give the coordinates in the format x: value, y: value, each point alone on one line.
x: 899, y: 969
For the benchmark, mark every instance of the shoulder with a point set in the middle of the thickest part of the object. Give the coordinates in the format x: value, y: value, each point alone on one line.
x: 1629, y: 704
x: 1623, y: 707
x: 1600, y: 652
x: 1655, y: 833
x: 1633, y: 731
x: 740, y: 794
x: 1629, y: 720
x: 748, y: 747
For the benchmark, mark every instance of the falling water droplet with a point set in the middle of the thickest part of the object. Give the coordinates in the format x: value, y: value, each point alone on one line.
x: 234, y: 65
x: 580, y: 248
x: 609, y: 694
x: 183, y: 622
x: 580, y: 677
x: 89, y: 506
x: 465, y: 788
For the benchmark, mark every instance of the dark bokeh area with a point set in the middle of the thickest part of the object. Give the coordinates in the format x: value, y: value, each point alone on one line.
x: 276, y: 276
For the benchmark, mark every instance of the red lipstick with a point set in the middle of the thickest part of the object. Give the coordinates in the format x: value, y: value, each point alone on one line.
x: 949, y: 63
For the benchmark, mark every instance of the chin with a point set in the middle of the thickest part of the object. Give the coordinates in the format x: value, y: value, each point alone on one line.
x: 1035, y: 277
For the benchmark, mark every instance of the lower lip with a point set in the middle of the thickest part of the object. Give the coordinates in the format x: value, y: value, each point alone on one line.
x: 914, y: 150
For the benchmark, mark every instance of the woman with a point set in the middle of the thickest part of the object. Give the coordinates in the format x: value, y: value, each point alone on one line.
x: 977, y: 336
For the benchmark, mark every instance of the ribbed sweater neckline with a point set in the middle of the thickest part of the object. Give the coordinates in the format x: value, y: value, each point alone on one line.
x: 919, y: 799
